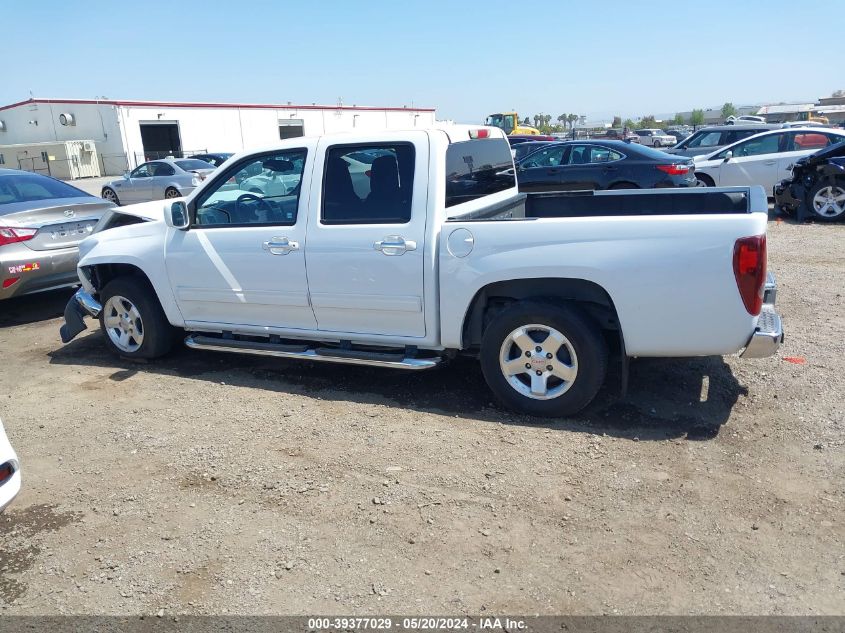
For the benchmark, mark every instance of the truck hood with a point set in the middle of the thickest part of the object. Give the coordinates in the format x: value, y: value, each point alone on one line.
x: 150, y: 211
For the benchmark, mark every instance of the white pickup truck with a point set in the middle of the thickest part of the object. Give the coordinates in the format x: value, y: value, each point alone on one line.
x: 402, y: 249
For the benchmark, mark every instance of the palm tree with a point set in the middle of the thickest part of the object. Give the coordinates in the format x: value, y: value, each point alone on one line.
x: 547, y: 118
x: 537, y: 120
x: 561, y: 118
x: 572, y: 119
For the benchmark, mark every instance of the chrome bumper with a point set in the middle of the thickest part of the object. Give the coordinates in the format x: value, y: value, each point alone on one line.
x: 80, y: 305
x: 767, y: 337
x: 770, y: 290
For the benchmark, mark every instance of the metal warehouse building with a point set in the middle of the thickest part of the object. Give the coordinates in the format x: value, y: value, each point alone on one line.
x: 126, y: 133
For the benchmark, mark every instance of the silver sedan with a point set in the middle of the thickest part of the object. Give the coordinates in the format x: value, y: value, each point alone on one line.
x: 158, y: 179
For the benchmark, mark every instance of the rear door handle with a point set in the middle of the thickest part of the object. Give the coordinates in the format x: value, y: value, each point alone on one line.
x: 394, y: 245
x: 280, y: 246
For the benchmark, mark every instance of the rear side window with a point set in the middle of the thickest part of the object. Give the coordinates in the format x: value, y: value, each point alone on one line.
x: 478, y: 168
x: 368, y: 184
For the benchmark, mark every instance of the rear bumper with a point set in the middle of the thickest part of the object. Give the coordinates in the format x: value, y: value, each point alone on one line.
x: 768, y: 335
x: 23, y: 270
x: 82, y: 304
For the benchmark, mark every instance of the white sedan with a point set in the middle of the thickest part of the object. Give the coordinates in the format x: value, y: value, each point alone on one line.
x: 10, y: 471
x: 763, y: 159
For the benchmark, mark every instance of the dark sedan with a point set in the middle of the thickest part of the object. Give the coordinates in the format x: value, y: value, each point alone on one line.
x: 42, y: 221
x: 516, y: 139
x: 521, y: 150
x: 215, y: 159
x: 593, y: 165
x: 817, y: 186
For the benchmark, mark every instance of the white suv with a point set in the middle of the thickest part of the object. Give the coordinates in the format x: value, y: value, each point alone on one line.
x: 656, y: 138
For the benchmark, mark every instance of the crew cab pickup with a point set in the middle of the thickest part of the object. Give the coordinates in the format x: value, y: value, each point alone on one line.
x: 402, y: 249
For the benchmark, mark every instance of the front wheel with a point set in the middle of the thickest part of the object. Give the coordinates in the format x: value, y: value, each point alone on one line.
x: 110, y: 195
x: 132, y: 319
x: 171, y: 193
x: 827, y: 200
x: 543, y: 359
x: 703, y: 180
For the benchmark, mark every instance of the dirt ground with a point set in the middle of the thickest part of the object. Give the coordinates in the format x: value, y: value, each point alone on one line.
x: 209, y: 483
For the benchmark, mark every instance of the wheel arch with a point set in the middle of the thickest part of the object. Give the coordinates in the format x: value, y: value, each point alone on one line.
x: 100, y: 273
x: 588, y: 295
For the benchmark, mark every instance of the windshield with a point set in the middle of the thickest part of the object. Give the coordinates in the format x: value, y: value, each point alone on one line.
x: 25, y: 187
x: 495, y: 120
x: 192, y: 164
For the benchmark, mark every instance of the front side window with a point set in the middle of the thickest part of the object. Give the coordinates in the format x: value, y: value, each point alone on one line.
x: 370, y: 184
x: 144, y: 171
x: 550, y: 157
x: 705, y: 139
x: 757, y: 146
x: 261, y: 190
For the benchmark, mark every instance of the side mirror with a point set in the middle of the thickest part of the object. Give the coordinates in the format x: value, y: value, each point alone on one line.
x: 177, y: 216
x: 126, y: 175
x: 728, y: 156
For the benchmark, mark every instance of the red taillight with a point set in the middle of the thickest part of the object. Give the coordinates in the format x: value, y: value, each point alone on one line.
x: 6, y: 472
x: 675, y: 170
x: 11, y: 281
x: 479, y: 134
x: 10, y: 236
x: 750, y: 271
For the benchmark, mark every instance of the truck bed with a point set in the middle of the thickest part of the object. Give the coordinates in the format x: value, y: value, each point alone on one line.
x: 623, y: 203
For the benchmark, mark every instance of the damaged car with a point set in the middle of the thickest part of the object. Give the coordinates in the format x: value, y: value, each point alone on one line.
x: 817, y: 187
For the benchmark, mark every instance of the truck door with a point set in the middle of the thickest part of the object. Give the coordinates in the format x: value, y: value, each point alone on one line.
x: 242, y: 261
x: 366, y: 236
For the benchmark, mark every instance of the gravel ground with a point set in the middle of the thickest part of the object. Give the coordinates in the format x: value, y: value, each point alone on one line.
x: 211, y: 483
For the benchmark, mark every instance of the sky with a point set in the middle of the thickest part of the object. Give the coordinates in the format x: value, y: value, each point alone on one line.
x: 466, y: 58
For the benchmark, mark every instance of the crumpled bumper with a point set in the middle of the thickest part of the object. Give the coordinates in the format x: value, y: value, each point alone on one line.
x: 82, y: 304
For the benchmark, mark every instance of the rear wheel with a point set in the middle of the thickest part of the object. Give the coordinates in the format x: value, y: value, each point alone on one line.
x: 703, y: 180
x: 624, y: 185
x: 172, y: 192
x: 827, y: 200
x: 132, y: 319
x: 543, y: 359
x: 110, y: 195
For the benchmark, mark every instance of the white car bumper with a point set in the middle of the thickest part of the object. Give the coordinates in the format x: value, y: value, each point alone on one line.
x: 10, y: 472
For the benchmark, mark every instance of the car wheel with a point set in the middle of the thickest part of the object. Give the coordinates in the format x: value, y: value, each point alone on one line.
x: 827, y: 200
x: 623, y: 185
x: 110, y: 195
x: 658, y: 143
x: 543, y: 359
x: 132, y: 319
x: 172, y: 192
x: 703, y: 180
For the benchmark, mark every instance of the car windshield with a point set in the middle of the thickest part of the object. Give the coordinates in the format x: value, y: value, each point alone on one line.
x: 192, y: 164
x: 704, y: 139
x: 25, y: 187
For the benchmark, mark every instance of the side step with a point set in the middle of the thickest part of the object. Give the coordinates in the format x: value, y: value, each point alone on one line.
x: 394, y: 360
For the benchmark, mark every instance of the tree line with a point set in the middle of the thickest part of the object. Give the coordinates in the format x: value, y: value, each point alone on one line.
x: 543, y: 122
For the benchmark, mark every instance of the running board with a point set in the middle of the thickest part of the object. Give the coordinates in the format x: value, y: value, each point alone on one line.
x: 393, y: 360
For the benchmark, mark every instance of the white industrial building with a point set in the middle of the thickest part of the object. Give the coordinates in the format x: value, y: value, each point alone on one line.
x: 126, y: 133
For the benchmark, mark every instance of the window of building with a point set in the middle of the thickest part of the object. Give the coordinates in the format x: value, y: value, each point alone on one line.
x: 291, y: 128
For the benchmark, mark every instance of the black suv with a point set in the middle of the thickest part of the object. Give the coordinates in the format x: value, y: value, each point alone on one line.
x: 709, y: 139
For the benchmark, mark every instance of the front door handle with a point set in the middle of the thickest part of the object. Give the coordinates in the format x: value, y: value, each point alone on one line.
x: 770, y: 162
x: 395, y: 245
x: 280, y: 246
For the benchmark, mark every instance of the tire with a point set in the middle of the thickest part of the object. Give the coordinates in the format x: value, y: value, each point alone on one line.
x: 657, y: 144
x: 109, y: 194
x: 577, y: 344
x: 132, y: 321
x: 172, y: 192
x: 704, y: 180
x: 623, y: 185
x: 827, y: 200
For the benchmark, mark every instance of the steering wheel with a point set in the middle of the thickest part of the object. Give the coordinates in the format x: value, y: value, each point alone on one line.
x: 251, y: 196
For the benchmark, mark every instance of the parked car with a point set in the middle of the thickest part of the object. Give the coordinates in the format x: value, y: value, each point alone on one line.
x: 579, y: 165
x: 216, y: 159
x: 157, y: 180
x: 678, y: 135
x: 709, y: 139
x: 42, y: 221
x: 655, y: 138
x: 522, y: 150
x: 817, y: 186
x: 10, y: 471
x: 618, y: 134
x: 539, y: 287
x: 744, y: 118
x: 763, y: 159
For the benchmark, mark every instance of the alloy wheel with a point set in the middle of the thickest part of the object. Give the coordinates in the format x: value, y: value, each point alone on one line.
x: 538, y: 361
x: 123, y: 324
x: 829, y: 202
